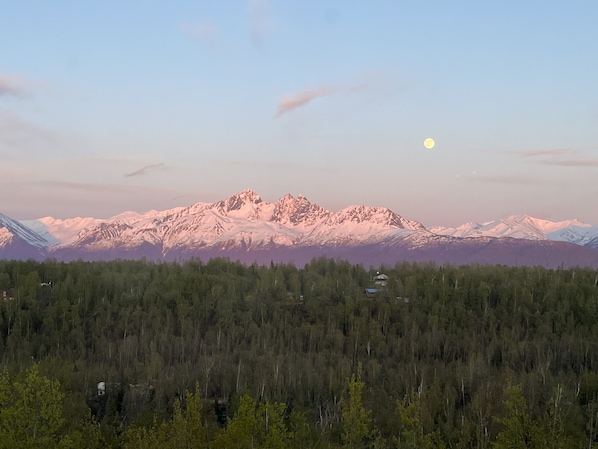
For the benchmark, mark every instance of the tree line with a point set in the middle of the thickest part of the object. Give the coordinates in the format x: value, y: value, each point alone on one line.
x: 220, y: 354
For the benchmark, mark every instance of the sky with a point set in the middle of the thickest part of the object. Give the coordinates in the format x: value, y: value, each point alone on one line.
x: 137, y: 105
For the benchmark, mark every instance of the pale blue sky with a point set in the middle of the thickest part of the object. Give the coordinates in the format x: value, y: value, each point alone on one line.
x: 136, y: 105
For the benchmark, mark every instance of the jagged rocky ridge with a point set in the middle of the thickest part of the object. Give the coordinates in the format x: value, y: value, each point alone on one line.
x: 246, y: 228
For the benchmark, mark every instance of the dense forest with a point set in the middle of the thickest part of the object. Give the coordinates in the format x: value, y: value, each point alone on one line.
x: 224, y: 355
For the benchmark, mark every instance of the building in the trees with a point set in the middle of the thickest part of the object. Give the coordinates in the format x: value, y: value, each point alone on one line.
x: 379, y: 289
x: 370, y: 292
x: 7, y: 295
x: 381, y: 279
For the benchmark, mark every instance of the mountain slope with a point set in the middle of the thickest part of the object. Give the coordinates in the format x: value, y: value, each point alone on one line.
x: 57, y: 231
x: 18, y: 243
x: 529, y: 228
x: 249, y: 229
x: 580, y: 235
x: 22, y: 232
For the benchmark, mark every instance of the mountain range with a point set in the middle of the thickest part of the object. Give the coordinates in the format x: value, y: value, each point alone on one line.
x: 246, y: 228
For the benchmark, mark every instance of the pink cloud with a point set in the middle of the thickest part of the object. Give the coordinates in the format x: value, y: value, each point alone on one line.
x: 581, y: 162
x: 10, y: 85
x: 555, y: 152
x: 272, y: 165
x: 16, y: 133
x: 87, y: 186
x: 293, y: 101
x: 142, y: 170
x: 18, y: 86
x: 563, y: 157
x: 505, y: 179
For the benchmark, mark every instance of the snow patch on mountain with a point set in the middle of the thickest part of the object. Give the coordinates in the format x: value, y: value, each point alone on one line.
x: 57, y: 231
x: 374, y: 215
x: 525, y: 227
x: 41, y: 229
x: 359, y: 225
x: 23, y: 232
x: 298, y: 212
x: 585, y: 235
x: 5, y: 236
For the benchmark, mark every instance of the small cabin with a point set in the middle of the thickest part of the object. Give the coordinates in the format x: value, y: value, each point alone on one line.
x: 381, y: 279
x: 370, y: 292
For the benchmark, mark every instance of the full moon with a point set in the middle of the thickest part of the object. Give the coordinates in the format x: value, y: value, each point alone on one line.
x: 429, y: 143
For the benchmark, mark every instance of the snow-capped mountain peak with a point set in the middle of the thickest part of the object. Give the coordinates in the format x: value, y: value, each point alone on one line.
x: 247, y: 227
x: 526, y: 227
x: 371, y: 214
x: 298, y: 211
x: 243, y: 204
x: 238, y: 200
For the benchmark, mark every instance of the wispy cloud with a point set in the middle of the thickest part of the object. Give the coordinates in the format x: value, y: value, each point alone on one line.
x: 259, y: 20
x: 10, y: 85
x: 104, y: 188
x: 202, y: 32
x: 86, y: 186
x: 553, y: 152
x: 142, y: 171
x: 293, y: 101
x: 579, y: 162
x: 505, y: 179
x: 19, y: 134
x: 257, y: 164
x: 111, y: 159
x: 58, y: 198
x: 19, y: 86
x: 563, y: 157
x: 11, y: 172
